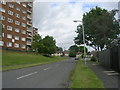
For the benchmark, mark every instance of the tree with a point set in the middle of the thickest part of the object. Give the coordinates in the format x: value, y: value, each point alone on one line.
x: 81, y: 48
x: 101, y: 28
x: 59, y: 49
x: 37, y: 44
x: 49, y: 45
x: 72, y: 53
x: 74, y: 47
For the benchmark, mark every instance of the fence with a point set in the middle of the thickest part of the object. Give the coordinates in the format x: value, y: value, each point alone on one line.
x: 110, y: 58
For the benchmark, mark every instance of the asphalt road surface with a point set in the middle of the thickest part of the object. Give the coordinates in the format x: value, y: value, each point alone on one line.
x: 53, y: 75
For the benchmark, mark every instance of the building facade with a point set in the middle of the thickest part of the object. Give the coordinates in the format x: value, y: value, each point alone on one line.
x: 16, y: 22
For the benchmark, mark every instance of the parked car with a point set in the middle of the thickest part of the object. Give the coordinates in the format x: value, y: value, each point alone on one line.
x: 76, y: 58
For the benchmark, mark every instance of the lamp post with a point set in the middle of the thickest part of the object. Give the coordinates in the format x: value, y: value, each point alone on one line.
x: 83, y: 37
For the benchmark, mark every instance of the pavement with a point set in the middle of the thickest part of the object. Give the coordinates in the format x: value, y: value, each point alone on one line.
x: 110, y: 78
x: 53, y: 75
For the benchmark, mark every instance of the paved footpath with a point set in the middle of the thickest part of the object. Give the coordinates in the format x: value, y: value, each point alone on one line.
x: 110, y: 78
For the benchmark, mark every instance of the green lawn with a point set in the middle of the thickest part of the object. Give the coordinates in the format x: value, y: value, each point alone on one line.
x: 83, y: 77
x: 14, y: 60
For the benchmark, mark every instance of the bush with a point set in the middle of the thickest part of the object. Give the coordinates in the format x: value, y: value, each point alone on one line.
x: 94, y: 58
x: 72, y: 53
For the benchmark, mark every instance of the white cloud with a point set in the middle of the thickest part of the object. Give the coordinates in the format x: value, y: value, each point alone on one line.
x: 56, y: 19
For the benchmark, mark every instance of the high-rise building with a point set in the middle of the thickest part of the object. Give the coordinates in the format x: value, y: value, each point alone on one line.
x: 16, y: 22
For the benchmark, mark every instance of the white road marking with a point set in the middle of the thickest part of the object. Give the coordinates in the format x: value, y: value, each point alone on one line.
x: 113, y: 74
x: 109, y: 71
x: 27, y: 75
x: 47, y: 68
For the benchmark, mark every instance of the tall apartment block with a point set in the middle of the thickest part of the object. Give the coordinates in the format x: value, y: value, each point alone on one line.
x: 16, y: 22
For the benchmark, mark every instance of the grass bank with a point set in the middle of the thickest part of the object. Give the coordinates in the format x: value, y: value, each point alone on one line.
x: 83, y: 77
x: 14, y: 60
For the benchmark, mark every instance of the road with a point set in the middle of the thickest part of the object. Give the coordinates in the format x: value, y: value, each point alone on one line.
x: 53, y: 75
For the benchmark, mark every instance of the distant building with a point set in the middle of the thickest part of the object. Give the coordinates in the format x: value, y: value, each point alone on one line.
x: 58, y: 53
x: 66, y: 53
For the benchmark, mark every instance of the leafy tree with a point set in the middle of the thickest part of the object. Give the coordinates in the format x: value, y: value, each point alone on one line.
x: 72, y: 53
x: 49, y: 45
x: 59, y: 49
x: 79, y: 39
x: 101, y: 28
x: 82, y: 49
x: 37, y: 44
x: 74, y: 47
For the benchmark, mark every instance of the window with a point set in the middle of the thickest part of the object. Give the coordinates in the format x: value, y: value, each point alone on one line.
x: 3, y: 2
x: 10, y: 20
x: 24, y: 5
x: 2, y: 10
x: 18, y: 8
x: 17, y: 15
x: 1, y: 43
x: 18, y: 2
x: 17, y: 22
x: 24, y: 12
x: 11, y: 5
x: 22, y: 46
x: 24, y: 18
x: 23, y: 24
x: 2, y: 18
x: 17, y: 30
x: 3, y: 26
x: 23, y: 32
x: 9, y: 36
x: 9, y: 28
x: 9, y: 44
x: 16, y: 45
x: 23, y: 39
x: 10, y: 12
x: 2, y: 34
x: 16, y: 37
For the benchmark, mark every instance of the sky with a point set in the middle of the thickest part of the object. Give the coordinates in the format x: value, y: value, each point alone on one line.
x: 55, y: 17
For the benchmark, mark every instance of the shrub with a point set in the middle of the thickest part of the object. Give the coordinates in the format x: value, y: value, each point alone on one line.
x: 94, y: 58
x: 72, y: 53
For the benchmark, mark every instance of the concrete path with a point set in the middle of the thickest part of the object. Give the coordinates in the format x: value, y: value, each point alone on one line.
x: 110, y: 78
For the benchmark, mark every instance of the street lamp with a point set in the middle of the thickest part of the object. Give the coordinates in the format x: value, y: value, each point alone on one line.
x: 83, y: 37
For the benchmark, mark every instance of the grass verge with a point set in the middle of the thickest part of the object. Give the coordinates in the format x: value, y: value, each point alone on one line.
x: 83, y: 77
x: 15, y: 60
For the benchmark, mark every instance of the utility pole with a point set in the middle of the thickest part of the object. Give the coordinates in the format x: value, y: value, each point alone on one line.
x: 83, y: 38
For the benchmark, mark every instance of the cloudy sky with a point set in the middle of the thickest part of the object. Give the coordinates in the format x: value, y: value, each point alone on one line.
x: 55, y: 17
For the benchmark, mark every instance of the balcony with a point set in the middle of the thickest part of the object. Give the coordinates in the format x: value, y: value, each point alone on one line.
x: 29, y: 34
x: 29, y: 29
x: 29, y: 23
x: 30, y: 5
x: 29, y: 17
x: 29, y: 43
x: 29, y: 11
x: 29, y: 37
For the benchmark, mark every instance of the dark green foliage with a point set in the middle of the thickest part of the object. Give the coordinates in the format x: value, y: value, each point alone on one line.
x: 82, y: 49
x: 72, y: 53
x: 74, y: 47
x: 93, y: 58
x: 37, y: 44
x: 49, y: 45
x: 101, y: 28
x: 59, y: 49
x: 45, y: 46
